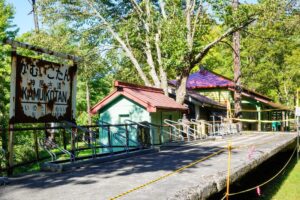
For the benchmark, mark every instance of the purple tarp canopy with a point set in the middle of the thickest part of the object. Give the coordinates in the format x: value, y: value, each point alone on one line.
x: 206, y: 79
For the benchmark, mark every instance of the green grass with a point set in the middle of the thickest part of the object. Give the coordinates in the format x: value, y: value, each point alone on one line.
x: 287, y: 187
x: 27, y: 169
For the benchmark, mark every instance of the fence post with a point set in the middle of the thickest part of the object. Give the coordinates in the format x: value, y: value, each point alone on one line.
x: 109, y: 139
x: 127, y: 136
x: 73, y: 147
x: 64, y: 139
x: 10, y: 150
x: 160, y: 134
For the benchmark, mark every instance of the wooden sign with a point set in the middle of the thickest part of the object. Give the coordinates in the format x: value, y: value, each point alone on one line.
x: 44, y: 91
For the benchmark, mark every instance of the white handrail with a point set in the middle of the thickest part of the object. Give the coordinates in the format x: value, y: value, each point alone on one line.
x: 200, y: 133
x: 203, y: 122
x: 139, y: 124
x: 174, y: 135
x: 174, y: 123
x: 181, y: 122
x: 42, y: 142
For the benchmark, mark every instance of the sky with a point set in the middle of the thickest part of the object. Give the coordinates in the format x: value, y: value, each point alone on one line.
x: 24, y: 20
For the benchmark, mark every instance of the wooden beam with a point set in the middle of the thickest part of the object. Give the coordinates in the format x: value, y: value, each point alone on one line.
x: 41, y: 50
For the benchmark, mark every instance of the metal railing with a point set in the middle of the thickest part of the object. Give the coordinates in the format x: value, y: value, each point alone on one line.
x: 205, y: 127
x: 181, y: 128
x: 130, y: 122
x: 118, y: 136
x: 49, y: 145
x: 89, y: 140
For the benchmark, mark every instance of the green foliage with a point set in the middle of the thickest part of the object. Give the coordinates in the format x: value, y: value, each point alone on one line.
x: 7, y: 30
x: 91, y: 69
x: 270, y: 52
x: 130, y: 26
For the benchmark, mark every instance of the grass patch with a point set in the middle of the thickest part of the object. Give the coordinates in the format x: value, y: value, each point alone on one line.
x: 287, y: 186
x: 284, y: 186
x: 35, y: 167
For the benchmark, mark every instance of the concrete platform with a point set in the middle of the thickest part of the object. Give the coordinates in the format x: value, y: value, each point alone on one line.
x: 110, y: 179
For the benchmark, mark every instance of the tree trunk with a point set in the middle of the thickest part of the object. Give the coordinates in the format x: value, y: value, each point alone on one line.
x: 162, y: 72
x: 127, y: 49
x: 237, y: 69
x: 148, y: 47
x: 35, y: 17
x: 181, y: 87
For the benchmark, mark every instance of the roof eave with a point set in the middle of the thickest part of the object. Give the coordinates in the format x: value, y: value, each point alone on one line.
x: 102, y: 103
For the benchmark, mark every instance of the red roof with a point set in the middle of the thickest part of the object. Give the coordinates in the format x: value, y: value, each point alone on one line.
x: 148, y: 97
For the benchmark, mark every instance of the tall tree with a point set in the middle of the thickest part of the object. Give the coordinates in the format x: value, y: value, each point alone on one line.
x: 35, y: 15
x: 7, y: 30
x: 161, y: 39
x: 237, y: 68
x: 270, y: 51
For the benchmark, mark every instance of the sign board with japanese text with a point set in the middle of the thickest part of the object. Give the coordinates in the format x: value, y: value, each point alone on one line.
x: 44, y: 91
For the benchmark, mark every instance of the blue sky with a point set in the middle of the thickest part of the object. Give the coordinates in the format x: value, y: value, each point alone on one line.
x: 25, y: 21
x: 22, y: 19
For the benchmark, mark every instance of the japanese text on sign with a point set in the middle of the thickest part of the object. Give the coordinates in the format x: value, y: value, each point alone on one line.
x: 43, y: 90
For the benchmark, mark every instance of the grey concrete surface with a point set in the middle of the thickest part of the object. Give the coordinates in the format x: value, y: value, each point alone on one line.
x: 107, y: 180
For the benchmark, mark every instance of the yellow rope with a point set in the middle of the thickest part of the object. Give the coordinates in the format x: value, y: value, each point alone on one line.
x: 169, y: 174
x: 264, y: 183
x: 265, y: 110
x: 262, y: 121
x: 187, y: 166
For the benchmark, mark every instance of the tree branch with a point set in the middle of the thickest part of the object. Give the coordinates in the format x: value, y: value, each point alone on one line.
x: 198, y: 13
x: 162, y: 8
x: 128, y: 52
x: 148, y: 50
x: 206, y: 49
x: 189, y: 13
x: 136, y: 7
x: 163, y: 75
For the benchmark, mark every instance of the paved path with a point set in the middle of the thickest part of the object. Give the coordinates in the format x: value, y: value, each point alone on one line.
x: 107, y: 180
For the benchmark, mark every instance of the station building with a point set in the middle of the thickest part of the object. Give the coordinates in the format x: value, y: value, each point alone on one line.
x: 255, y: 106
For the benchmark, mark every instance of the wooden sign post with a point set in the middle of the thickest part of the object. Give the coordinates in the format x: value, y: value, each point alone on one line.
x: 40, y: 91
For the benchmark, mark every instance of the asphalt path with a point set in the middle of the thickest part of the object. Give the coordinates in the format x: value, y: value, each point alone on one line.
x: 149, y: 176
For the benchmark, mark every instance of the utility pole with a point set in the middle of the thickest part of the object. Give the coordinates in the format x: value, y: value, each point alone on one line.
x: 35, y: 16
x: 237, y: 70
